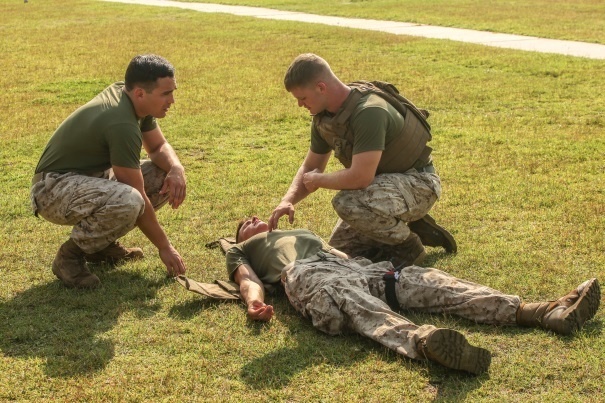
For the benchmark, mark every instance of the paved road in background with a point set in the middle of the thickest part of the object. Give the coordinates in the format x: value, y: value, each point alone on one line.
x: 527, y: 43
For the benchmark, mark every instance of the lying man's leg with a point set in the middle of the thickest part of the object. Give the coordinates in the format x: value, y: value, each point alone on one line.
x: 565, y: 315
x: 334, y: 294
x: 432, y: 290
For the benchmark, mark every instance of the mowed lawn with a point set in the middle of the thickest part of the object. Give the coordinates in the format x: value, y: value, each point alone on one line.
x: 519, y: 145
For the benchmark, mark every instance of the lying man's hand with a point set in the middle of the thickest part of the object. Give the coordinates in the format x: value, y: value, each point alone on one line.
x: 258, y: 310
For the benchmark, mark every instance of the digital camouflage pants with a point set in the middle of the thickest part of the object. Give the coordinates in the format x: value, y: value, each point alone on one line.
x: 100, y: 208
x: 378, y: 215
x: 340, y: 295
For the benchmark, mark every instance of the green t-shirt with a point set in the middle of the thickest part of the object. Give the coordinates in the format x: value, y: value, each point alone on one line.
x: 267, y: 253
x: 99, y: 134
x: 374, y: 123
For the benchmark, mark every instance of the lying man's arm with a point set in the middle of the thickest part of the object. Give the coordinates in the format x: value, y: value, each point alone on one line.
x: 253, y: 293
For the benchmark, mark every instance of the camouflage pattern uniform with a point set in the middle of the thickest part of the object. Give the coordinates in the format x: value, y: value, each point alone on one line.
x: 378, y: 214
x: 340, y: 295
x: 100, y: 208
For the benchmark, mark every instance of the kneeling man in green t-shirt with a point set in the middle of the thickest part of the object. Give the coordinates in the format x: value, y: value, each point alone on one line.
x: 90, y: 175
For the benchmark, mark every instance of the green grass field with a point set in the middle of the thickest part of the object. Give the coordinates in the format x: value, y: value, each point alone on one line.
x: 519, y: 145
x: 580, y: 20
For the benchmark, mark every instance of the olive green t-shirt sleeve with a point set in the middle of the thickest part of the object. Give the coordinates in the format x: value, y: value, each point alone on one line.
x: 370, y: 127
x: 236, y: 256
x: 148, y: 124
x: 318, y: 144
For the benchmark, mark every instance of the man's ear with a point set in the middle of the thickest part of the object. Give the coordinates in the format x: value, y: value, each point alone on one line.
x: 138, y: 92
x: 321, y: 86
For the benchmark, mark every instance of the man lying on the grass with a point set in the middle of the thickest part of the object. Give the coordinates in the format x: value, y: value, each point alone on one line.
x: 339, y: 294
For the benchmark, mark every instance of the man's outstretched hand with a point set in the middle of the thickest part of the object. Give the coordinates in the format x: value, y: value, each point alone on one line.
x: 260, y: 311
x: 173, y: 261
x: 282, y: 209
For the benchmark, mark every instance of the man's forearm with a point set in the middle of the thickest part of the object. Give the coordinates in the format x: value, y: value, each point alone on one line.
x: 344, y: 179
x: 165, y: 157
x: 250, y: 286
x: 297, y: 190
x: 359, y: 175
x: 150, y: 226
x: 251, y: 291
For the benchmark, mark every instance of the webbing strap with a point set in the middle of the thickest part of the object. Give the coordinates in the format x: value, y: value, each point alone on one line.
x: 389, y: 290
x: 348, y: 106
x: 225, y: 243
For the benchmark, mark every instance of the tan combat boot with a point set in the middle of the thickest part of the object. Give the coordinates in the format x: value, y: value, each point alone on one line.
x: 432, y: 234
x: 410, y: 252
x: 451, y: 349
x: 565, y: 315
x: 114, y: 253
x: 70, y: 267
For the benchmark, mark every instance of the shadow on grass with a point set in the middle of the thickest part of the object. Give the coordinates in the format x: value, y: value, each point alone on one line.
x: 593, y: 328
x: 193, y: 307
x: 65, y: 327
x: 307, y: 347
x: 433, y: 256
x: 313, y: 348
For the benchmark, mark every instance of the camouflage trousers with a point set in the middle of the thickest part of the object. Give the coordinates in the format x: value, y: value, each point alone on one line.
x: 340, y: 295
x: 100, y: 208
x: 378, y: 215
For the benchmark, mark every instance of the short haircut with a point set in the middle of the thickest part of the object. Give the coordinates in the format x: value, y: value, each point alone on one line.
x: 239, y: 226
x: 145, y: 70
x: 305, y: 70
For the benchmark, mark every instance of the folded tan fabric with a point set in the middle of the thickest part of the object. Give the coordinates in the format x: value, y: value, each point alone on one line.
x: 225, y: 290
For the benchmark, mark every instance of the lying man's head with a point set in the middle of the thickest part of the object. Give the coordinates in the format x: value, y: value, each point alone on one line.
x: 250, y: 227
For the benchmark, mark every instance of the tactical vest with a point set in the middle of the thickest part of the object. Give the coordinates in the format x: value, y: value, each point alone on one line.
x: 408, y: 150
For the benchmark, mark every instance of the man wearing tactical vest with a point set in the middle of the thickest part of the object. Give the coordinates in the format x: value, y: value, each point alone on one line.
x: 389, y: 183
x: 90, y: 175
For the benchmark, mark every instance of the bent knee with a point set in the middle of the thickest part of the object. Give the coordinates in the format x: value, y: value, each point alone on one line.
x: 136, y: 202
x: 325, y: 314
x: 346, y: 203
x: 129, y: 202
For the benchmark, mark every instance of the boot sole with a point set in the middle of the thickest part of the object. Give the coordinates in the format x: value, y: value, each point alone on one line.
x: 451, y: 349
x: 450, y: 246
x: 585, y: 307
